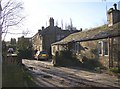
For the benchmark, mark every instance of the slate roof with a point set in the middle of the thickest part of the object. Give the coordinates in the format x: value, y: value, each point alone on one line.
x: 92, y: 34
x: 50, y: 30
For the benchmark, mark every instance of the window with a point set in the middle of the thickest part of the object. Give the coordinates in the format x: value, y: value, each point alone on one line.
x: 105, y: 48
x: 100, y: 47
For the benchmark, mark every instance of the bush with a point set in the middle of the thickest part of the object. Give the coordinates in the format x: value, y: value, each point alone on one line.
x: 65, y: 58
x: 24, y: 54
x: 92, y: 64
x: 115, y: 70
x: 65, y: 54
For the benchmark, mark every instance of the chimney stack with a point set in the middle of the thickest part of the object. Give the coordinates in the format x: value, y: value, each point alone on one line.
x: 115, y: 6
x: 39, y: 30
x: 51, y: 21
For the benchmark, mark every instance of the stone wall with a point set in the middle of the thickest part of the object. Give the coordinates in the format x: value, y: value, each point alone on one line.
x: 13, y: 59
x: 90, y: 50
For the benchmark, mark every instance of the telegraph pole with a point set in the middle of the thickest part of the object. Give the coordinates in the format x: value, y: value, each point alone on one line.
x: 0, y: 47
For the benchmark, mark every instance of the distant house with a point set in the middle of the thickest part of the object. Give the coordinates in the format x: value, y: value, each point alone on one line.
x: 24, y: 42
x: 43, y: 39
x: 101, y: 43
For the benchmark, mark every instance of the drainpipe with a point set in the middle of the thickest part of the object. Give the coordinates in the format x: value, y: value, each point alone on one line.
x: 109, y: 53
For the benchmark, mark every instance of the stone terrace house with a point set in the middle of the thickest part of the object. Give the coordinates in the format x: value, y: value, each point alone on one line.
x: 43, y: 39
x: 101, y: 43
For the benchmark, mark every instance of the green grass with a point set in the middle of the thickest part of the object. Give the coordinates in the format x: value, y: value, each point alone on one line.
x: 14, y: 75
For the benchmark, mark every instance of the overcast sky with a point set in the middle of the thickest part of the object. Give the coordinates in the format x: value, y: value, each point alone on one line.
x: 84, y: 14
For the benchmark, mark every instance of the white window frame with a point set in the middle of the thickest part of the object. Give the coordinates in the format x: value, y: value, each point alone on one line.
x: 100, y: 48
x: 104, y: 48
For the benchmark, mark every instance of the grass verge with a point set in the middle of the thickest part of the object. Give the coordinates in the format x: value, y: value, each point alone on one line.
x: 14, y: 75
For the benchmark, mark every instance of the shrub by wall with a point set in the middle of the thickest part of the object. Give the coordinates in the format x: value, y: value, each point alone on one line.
x: 92, y: 64
x: 65, y: 58
x: 24, y: 53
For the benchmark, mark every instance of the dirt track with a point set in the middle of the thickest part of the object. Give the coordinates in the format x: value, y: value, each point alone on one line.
x: 47, y: 76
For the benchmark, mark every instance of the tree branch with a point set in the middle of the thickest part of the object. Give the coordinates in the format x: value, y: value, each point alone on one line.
x: 11, y: 14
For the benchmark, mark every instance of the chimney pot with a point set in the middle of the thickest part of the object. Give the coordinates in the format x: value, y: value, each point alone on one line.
x: 42, y: 27
x: 115, y: 6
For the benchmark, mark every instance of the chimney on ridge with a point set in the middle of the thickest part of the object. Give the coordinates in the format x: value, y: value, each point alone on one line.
x: 51, y: 21
x: 42, y: 27
x: 115, y: 6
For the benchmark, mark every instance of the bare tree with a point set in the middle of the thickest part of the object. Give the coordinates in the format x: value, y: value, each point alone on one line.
x: 25, y: 33
x: 62, y: 24
x: 11, y: 14
x: 71, y: 25
x: 56, y: 22
x: 66, y: 26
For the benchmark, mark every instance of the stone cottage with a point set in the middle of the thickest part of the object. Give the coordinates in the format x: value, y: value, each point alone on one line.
x: 101, y: 43
x: 43, y: 39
